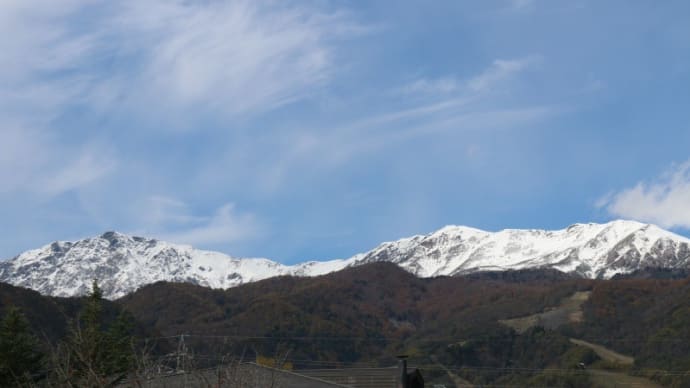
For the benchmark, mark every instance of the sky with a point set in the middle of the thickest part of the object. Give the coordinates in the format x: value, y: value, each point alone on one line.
x: 299, y: 130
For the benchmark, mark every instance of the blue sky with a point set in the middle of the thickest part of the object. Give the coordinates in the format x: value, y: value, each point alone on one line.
x: 317, y: 129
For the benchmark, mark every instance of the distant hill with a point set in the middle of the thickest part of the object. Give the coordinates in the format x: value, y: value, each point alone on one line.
x: 372, y: 312
x: 380, y: 306
x: 50, y: 317
x: 367, y: 314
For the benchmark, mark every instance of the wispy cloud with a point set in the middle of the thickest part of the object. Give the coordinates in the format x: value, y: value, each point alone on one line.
x: 430, y: 85
x: 226, y: 226
x: 665, y: 201
x: 448, y: 95
x: 35, y: 162
x: 158, y: 211
x: 89, y: 166
x: 45, y: 60
x: 500, y: 71
x: 521, y: 4
x: 163, y: 60
x: 237, y: 57
x: 317, y: 152
x: 42, y: 57
x: 445, y: 108
x: 449, y: 105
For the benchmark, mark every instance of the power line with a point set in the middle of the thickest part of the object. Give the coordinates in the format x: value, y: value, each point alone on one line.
x: 436, y: 367
x: 394, y: 340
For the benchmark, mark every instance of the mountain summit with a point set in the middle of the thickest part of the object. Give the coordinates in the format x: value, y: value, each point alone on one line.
x: 124, y: 263
x: 589, y: 250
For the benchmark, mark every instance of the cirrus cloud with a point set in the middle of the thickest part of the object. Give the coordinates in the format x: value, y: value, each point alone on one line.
x: 238, y: 57
x: 172, y: 219
x: 224, y: 227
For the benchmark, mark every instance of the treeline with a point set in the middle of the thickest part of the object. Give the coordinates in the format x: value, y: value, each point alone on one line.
x: 94, y: 351
x: 364, y: 313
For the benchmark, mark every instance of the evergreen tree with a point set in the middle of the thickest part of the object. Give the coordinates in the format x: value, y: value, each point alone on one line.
x: 92, y: 338
x: 20, y: 358
x: 98, y: 355
x: 118, y: 339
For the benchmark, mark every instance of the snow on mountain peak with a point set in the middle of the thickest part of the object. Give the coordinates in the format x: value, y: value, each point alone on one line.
x: 591, y: 250
x: 123, y: 263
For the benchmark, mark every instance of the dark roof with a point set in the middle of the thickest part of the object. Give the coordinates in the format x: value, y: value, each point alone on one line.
x: 248, y: 375
x: 357, y: 377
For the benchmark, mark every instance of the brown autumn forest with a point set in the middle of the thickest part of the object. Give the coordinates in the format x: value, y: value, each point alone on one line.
x: 369, y: 314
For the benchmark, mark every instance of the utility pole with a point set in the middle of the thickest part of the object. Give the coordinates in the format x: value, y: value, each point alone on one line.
x: 181, y: 355
x: 402, y: 369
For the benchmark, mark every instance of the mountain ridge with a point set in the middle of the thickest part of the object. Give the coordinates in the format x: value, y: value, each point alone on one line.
x: 124, y: 263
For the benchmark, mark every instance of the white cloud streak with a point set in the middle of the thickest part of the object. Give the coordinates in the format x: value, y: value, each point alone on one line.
x: 319, y: 151
x: 238, y: 57
x: 90, y: 166
x: 158, y: 59
x: 460, y: 107
x: 665, y: 202
x: 173, y: 221
x: 40, y: 54
x: 161, y: 210
x: 235, y: 56
x: 426, y: 85
x: 500, y: 71
x: 33, y: 161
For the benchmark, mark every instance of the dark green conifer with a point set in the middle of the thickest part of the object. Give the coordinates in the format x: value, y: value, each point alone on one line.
x: 118, y: 341
x: 99, y: 355
x: 20, y: 358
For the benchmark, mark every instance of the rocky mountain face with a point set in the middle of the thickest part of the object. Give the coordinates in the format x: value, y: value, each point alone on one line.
x: 124, y: 263
x: 589, y: 250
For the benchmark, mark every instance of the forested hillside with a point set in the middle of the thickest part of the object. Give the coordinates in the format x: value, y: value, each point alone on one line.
x: 648, y: 318
x: 367, y: 315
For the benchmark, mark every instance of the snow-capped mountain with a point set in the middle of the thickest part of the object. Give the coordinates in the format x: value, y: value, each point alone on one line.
x: 590, y: 250
x: 123, y: 263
